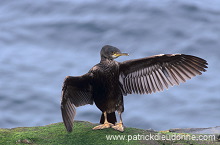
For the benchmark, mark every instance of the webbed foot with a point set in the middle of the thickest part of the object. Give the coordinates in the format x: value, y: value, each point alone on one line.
x: 103, y: 126
x: 119, y: 127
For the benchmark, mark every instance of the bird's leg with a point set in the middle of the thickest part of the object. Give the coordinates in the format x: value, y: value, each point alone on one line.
x: 119, y: 126
x: 105, y: 125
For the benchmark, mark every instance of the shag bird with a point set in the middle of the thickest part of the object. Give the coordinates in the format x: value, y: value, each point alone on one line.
x: 107, y: 82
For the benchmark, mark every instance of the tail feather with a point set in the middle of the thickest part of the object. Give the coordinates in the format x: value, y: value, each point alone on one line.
x: 110, y: 117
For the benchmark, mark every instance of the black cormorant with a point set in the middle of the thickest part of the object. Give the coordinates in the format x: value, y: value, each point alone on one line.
x: 107, y: 82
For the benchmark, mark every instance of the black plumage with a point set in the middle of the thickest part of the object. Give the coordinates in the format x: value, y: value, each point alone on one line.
x: 107, y: 82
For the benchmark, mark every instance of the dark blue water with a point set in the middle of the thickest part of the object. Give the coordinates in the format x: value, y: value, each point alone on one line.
x: 41, y: 42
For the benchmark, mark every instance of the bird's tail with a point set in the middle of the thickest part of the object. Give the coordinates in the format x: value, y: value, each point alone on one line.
x: 110, y: 117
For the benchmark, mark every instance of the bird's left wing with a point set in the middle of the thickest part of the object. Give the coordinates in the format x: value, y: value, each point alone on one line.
x: 76, y: 92
x: 152, y: 74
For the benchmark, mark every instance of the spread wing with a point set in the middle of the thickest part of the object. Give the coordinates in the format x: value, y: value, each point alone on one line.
x: 152, y: 74
x: 76, y: 92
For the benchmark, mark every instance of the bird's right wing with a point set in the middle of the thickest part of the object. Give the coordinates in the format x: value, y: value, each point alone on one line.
x: 76, y: 92
x: 152, y: 74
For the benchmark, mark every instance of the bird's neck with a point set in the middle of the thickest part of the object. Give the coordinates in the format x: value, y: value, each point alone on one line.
x: 108, y: 62
x: 104, y: 59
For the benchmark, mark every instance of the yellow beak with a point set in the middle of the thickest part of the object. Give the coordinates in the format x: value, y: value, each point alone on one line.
x: 120, y: 54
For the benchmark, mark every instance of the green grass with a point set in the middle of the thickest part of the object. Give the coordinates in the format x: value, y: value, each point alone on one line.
x: 55, y: 134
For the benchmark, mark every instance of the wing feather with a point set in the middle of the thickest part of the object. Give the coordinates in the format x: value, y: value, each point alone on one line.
x: 158, y: 83
x: 76, y: 92
x: 150, y: 84
x: 160, y: 80
x: 147, y: 86
x: 155, y: 73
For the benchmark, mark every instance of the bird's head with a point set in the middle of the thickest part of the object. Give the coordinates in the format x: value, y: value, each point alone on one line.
x: 111, y: 52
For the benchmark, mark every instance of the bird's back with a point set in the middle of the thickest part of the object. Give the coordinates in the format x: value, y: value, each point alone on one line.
x: 106, y: 88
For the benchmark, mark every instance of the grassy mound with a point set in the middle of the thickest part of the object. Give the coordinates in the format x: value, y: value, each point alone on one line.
x: 55, y: 134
